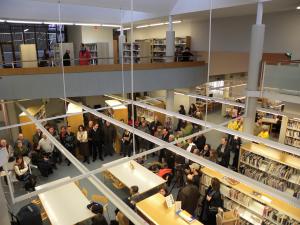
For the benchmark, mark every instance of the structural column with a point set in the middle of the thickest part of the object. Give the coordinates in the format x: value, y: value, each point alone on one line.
x: 170, y: 100
x: 121, y: 42
x: 170, y: 41
x: 256, y: 52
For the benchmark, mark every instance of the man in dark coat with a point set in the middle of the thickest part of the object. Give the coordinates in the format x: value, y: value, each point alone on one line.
x: 110, y: 133
x: 97, y: 140
x: 189, y: 196
x: 223, y: 152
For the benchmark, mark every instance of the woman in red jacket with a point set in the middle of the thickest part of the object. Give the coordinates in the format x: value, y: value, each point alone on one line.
x: 84, y: 55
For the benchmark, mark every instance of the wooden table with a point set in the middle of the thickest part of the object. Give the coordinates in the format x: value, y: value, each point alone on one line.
x: 65, y: 205
x: 155, y: 209
x: 138, y: 175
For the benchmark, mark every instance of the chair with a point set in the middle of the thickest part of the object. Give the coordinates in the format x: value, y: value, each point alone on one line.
x: 84, y: 191
x: 103, y: 200
x: 228, y: 218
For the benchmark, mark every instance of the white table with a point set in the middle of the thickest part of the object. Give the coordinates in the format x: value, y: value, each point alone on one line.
x: 65, y: 205
x: 139, y: 176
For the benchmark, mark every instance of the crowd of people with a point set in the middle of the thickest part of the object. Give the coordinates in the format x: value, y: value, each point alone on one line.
x: 96, y: 140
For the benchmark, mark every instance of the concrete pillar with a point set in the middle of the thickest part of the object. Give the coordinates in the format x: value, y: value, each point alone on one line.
x: 13, y: 118
x: 256, y: 52
x: 122, y: 40
x: 170, y: 100
x: 170, y: 41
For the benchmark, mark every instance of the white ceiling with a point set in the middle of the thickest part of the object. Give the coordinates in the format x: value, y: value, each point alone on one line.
x: 118, y: 11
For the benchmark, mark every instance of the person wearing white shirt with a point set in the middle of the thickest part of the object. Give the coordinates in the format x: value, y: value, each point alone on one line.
x: 82, y: 137
x: 189, y: 148
x: 46, y: 145
x: 21, y: 169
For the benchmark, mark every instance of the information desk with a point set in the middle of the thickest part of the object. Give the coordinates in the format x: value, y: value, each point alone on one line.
x: 65, y: 205
x: 155, y: 209
x: 132, y: 173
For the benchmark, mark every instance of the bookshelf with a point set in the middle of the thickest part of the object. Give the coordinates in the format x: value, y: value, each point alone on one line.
x: 157, y: 49
x: 272, y: 167
x: 99, y: 50
x: 65, y: 46
x: 136, y: 52
x: 251, y: 205
x: 292, y: 133
x: 148, y: 114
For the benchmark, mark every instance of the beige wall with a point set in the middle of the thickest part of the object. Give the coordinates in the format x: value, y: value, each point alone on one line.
x: 98, y: 34
x: 233, y: 34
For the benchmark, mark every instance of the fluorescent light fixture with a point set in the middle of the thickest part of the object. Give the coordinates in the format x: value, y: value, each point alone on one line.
x: 26, y: 30
x: 72, y: 108
x: 24, y: 21
x: 177, y: 21
x: 115, y: 104
x: 156, y: 24
x: 59, y: 23
x: 126, y: 28
x: 88, y: 24
x: 110, y: 25
x: 298, y: 7
x: 2, y: 21
x: 142, y: 26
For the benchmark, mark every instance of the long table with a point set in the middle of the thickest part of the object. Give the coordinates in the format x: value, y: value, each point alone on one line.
x: 155, y: 209
x: 132, y: 173
x: 65, y: 205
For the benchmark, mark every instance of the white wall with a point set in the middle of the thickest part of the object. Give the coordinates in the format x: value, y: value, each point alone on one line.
x: 98, y: 34
x: 75, y: 36
x: 233, y: 34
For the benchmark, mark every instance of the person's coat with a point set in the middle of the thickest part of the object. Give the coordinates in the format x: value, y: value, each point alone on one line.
x: 225, y: 156
x: 109, y: 133
x: 189, y: 196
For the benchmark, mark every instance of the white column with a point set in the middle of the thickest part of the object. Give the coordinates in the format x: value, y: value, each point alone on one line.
x: 13, y: 118
x: 170, y: 100
x: 121, y: 41
x: 170, y: 41
x: 256, y: 52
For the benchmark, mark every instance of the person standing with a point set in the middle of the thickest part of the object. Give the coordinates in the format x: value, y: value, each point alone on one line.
x: 223, y: 152
x: 189, y: 196
x: 82, y: 138
x: 200, y: 141
x: 57, y: 156
x: 127, y: 143
x: 36, y: 138
x: 67, y: 58
x: 68, y: 140
x: 96, y: 135
x: 180, y: 122
x: 89, y: 131
x: 84, y: 55
x: 26, y: 143
x: 110, y: 133
x: 211, y: 203
x: 187, y: 56
x: 165, y: 137
x: 45, y: 59
x: 20, y: 149
x: 143, y: 143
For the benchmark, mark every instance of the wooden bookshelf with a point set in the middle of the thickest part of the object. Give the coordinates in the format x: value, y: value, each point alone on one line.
x: 292, y: 133
x: 255, y: 208
x: 99, y: 53
x: 270, y: 163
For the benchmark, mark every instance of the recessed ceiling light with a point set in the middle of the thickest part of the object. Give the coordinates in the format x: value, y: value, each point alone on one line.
x: 26, y: 30
x: 298, y: 7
